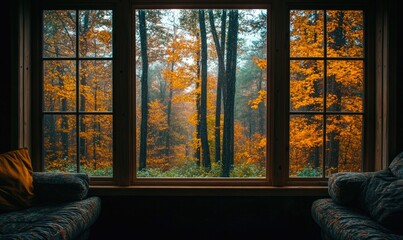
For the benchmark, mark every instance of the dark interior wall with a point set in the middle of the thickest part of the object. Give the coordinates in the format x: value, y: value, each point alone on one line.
x: 205, y: 218
x: 5, y: 83
x: 399, y: 80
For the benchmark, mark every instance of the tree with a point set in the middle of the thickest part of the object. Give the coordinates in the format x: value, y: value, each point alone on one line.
x: 229, y: 94
x: 220, y: 49
x: 203, y: 96
x: 144, y: 90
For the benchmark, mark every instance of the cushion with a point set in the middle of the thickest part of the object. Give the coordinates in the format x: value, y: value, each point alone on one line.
x: 346, y: 187
x: 347, y: 223
x: 396, y: 166
x: 60, y: 186
x: 384, y: 200
x: 16, y: 186
x: 53, y: 221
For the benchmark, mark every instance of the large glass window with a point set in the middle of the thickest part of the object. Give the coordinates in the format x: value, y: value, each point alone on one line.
x: 134, y: 93
x: 201, y: 93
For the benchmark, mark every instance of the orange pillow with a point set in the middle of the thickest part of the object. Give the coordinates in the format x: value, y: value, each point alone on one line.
x: 16, y: 186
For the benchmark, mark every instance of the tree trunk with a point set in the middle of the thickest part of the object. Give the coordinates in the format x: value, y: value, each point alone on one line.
x: 198, y: 152
x: 203, y: 98
x: 333, y: 87
x: 229, y: 94
x: 220, y: 49
x: 83, y: 128
x: 144, y: 91
x: 169, y: 109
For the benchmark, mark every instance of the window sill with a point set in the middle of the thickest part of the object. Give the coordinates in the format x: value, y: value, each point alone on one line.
x: 314, y: 191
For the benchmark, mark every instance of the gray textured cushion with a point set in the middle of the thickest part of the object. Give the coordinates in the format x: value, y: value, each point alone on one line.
x: 346, y: 188
x: 396, y: 167
x: 384, y: 200
x: 60, y: 187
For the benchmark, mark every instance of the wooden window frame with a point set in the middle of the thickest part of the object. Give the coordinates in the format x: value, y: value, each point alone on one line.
x: 123, y: 87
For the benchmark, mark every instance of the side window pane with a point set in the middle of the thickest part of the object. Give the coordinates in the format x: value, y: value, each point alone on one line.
x: 306, y: 145
x: 59, y: 33
x: 345, y: 33
x: 59, y: 143
x: 95, y: 33
x: 59, y: 86
x: 306, y: 33
x: 344, y: 144
x: 306, y: 85
x: 95, y: 86
x: 96, y: 144
x: 345, y: 86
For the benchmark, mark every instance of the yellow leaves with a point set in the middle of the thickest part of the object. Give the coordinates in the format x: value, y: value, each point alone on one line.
x: 105, y: 37
x: 157, y: 116
x: 254, y: 103
x: 260, y: 62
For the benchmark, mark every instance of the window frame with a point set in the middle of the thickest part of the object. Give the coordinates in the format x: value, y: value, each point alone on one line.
x: 368, y: 142
x: 124, y: 171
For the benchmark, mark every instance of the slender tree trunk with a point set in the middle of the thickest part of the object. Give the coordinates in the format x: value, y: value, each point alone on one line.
x: 229, y: 94
x: 198, y: 151
x: 220, y: 49
x: 169, y: 109
x: 333, y: 87
x: 83, y: 128
x: 203, y: 98
x: 261, y: 110
x: 65, y: 131
x: 144, y: 91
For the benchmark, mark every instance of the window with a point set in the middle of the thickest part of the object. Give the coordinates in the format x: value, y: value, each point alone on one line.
x: 77, y: 88
x: 201, y: 77
x: 129, y: 92
x: 326, y: 92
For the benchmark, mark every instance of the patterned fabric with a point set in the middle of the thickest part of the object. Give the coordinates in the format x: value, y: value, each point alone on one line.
x: 346, y: 188
x: 346, y: 223
x: 60, y: 186
x: 51, y: 221
x: 363, y: 205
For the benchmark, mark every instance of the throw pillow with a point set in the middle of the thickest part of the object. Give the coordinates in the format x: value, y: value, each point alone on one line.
x: 16, y: 186
x: 58, y: 186
x: 384, y: 200
x: 345, y: 187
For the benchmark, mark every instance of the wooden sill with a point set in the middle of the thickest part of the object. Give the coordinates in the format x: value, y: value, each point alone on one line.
x: 315, y: 191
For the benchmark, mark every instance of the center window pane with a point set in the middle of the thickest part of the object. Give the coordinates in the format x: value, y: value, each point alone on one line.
x: 201, y: 93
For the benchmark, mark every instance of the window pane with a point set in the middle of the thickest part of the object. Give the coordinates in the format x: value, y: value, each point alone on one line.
x: 306, y: 33
x: 59, y: 86
x: 345, y: 33
x: 95, y: 33
x: 59, y: 33
x: 345, y: 86
x: 344, y: 139
x: 306, y: 85
x: 96, y: 144
x: 182, y: 133
x: 95, y: 86
x: 306, y: 144
x: 59, y: 143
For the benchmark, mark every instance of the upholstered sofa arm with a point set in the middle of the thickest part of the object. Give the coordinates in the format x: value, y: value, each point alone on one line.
x: 346, y: 188
x: 60, y: 187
